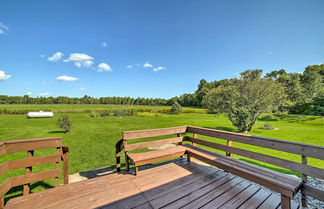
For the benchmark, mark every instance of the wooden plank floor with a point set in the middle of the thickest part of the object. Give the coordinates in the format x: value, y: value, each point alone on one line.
x: 176, y: 184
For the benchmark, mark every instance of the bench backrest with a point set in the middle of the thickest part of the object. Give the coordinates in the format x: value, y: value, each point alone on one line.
x: 141, y: 134
x: 304, y: 150
x: 29, y: 146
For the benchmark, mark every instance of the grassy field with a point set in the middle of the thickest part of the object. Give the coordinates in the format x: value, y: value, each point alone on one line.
x: 87, y: 108
x: 92, y: 140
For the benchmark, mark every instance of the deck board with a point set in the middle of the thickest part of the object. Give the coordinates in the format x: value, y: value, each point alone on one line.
x: 176, y: 184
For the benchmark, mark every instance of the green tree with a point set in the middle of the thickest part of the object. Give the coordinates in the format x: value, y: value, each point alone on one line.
x: 313, y: 82
x: 245, y: 100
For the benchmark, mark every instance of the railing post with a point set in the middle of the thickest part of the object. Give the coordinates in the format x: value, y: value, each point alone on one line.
x: 229, y: 143
x: 26, y: 188
x: 194, y: 135
x: 2, y: 202
x: 285, y: 202
x: 126, y: 158
x: 180, y: 143
x: 57, y: 166
x: 179, y: 135
x: 304, y: 179
x: 117, y: 159
x: 65, y: 157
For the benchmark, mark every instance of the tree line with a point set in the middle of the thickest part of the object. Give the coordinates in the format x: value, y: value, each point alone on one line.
x: 301, y: 93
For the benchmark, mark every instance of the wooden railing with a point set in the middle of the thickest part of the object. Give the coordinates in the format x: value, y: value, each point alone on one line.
x: 304, y: 150
x: 29, y: 146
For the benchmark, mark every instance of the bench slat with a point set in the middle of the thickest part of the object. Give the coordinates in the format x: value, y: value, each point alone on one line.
x: 129, y: 147
x: 128, y: 135
x: 240, y: 169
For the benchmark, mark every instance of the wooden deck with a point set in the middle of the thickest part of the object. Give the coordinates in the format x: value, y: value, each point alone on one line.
x: 176, y: 184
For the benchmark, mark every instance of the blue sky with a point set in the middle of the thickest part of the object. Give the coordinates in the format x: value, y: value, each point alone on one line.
x: 156, y: 48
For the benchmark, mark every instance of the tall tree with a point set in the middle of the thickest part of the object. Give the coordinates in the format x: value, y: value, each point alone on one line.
x: 246, y: 99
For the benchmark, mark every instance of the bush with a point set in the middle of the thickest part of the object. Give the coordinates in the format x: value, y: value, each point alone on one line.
x: 65, y: 123
x: 176, y: 108
x: 124, y: 112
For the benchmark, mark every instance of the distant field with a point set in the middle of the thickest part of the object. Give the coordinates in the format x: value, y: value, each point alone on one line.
x: 93, y: 139
x: 85, y: 108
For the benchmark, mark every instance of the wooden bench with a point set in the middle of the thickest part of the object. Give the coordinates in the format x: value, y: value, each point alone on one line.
x: 144, y: 158
x: 29, y: 146
x: 284, y: 184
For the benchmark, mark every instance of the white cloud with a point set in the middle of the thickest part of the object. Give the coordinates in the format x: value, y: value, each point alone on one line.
x: 44, y: 94
x: 80, y: 60
x: 129, y: 66
x: 56, y: 57
x: 159, y: 68
x: 147, y: 65
x: 78, y: 64
x: 3, y: 28
x: 29, y: 93
x: 66, y: 78
x: 83, y: 89
x: 4, y: 76
x: 104, y: 67
x: 104, y: 44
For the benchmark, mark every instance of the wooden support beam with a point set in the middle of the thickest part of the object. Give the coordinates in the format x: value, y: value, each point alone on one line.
x: 229, y: 143
x: 194, y: 135
x: 304, y: 179
x: 65, y: 159
x: 57, y: 166
x: 285, y: 202
x: 26, y: 188
x: 136, y: 170
x: 117, y: 160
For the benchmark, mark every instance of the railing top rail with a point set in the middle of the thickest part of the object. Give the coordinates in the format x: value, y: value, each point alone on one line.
x: 276, y: 144
x: 30, y: 140
x: 12, y: 146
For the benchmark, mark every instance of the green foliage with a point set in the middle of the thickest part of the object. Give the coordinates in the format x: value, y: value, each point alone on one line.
x: 65, y: 123
x: 124, y: 112
x: 245, y: 100
x: 176, y: 108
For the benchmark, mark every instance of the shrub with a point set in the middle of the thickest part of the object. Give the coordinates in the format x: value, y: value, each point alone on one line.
x: 65, y: 123
x: 176, y: 108
x: 124, y: 112
x: 104, y: 113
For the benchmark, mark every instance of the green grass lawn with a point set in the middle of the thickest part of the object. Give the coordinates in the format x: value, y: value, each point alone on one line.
x: 87, y: 108
x: 92, y: 140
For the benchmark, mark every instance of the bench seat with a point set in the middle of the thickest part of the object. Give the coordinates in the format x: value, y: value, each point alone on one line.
x: 144, y: 158
x: 282, y: 183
